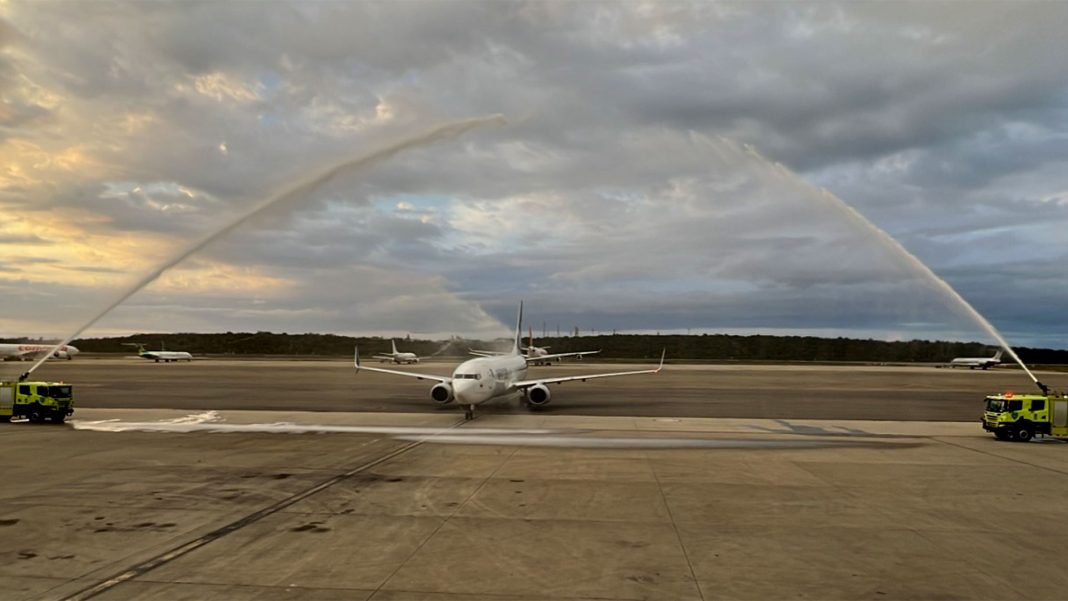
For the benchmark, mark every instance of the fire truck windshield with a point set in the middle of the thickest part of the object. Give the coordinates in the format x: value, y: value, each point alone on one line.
x: 59, y: 392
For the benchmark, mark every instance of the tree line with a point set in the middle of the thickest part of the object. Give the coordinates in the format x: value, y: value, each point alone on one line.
x: 703, y: 347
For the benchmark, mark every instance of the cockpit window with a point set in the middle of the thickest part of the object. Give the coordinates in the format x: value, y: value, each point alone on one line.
x: 468, y: 376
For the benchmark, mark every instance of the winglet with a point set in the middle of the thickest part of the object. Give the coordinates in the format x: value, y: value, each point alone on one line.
x: 518, y: 329
x: 661, y: 366
x: 356, y: 358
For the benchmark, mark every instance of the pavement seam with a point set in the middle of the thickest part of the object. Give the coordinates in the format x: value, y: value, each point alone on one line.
x: 675, y: 527
x: 1012, y: 459
x: 163, y: 558
x: 443, y: 522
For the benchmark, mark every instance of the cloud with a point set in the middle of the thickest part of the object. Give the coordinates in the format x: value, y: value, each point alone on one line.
x: 128, y: 130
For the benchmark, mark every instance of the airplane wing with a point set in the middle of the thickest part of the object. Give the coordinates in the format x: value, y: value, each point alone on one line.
x: 478, y: 353
x: 562, y: 355
x: 528, y: 383
x: 381, y: 356
x: 148, y: 355
x: 397, y: 372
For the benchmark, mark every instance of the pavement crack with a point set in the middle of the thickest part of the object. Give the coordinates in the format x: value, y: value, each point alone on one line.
x: 675, y: 527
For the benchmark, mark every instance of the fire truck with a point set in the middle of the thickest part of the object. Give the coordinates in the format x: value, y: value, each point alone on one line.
x: 36, y: 401
x: 1021, y: 417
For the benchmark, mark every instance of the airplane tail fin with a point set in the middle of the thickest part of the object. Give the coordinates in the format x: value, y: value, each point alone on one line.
x: 997, y: 355
x: 518, y: 329
x: 394, y: 343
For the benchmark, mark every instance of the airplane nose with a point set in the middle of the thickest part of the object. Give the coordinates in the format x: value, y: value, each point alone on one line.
x: 468, y: 392
x: 72, y: 350
x: 461, y: 390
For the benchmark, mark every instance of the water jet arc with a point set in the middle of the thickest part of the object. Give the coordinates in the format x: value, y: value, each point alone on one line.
x: 891, y: 243
x: 897, y: 249
x: 440, y: 133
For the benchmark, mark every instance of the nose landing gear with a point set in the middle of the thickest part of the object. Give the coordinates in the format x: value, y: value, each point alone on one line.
x: 469, y: 412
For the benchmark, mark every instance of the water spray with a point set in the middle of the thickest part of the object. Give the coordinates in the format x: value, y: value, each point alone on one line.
x: 289, y: 196
x: 890, y: 242
x: 895, y: 247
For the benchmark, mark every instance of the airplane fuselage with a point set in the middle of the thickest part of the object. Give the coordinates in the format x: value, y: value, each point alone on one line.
x: 983, y: 362
x: 476, y: 381
x: 402, y: 358
x: 166, y: 356
x: 26, y: 351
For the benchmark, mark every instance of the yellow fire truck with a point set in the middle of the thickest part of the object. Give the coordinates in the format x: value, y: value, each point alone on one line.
x: 36, y: 401
x: 1021, y: 417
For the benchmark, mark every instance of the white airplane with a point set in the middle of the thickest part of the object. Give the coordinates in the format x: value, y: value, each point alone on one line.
x: 160, y: 355
x: 980, y: 362
x: 478, y: 380
x: 23, y: 352
x: 536, y: 355
x: 396, y: 357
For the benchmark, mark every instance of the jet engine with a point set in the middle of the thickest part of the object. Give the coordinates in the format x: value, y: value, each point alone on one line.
x: 442, y: 393
x: 539, y: 395
x: 62, y: 355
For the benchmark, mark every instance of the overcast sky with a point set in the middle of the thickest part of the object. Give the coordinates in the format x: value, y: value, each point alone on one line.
x: 667, y: 166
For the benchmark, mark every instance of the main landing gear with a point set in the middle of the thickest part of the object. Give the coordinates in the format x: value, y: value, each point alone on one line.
x: 469, y: 412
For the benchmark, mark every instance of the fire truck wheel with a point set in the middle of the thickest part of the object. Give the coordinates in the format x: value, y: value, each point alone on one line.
x: 59, y: 418
x: 1001, y: 435
x: 1024, y: 434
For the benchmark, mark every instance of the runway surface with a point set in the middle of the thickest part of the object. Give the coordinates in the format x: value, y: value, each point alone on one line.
x: 160, y: 505
x: 922, y: 393
x: 283, y: 479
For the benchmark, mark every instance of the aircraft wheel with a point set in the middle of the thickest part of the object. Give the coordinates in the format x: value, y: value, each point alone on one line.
x: 469, y: 413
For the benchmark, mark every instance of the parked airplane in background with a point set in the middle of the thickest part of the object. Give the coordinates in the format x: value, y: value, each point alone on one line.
x: 536, y: 355
x: 980, y: 362
x: 476, y: 381
x: 160, y: 355
x: 396, y: 357
x: 23, y: 352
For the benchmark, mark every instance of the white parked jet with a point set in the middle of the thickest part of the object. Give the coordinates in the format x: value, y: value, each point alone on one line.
x: 536, y: 355
x: 23, y: 352
x: 396, y: 357
x: 161, y: 355
x: 980, y: 362
x: 476, y: 381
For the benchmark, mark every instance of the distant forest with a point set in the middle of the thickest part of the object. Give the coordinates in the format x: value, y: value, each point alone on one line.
x: 704, y: 347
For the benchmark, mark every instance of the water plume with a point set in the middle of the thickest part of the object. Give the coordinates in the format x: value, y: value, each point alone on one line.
x: 289, y: 196
x: 896, y: 249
